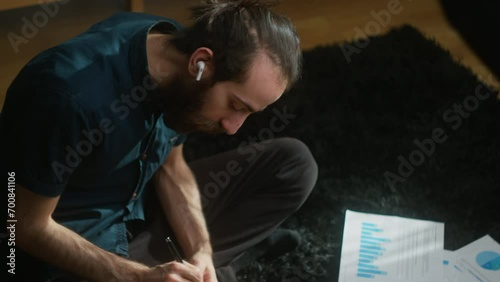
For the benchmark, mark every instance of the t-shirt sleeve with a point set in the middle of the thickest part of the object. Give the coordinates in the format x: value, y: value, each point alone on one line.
x: 43, y: 140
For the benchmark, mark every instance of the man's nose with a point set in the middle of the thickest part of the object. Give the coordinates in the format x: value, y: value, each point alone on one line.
x: 232, y: 123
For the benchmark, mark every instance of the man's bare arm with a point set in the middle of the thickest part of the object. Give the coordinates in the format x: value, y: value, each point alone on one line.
x: 38, y: 234
x: 178, y: 193
x: 180, y: 199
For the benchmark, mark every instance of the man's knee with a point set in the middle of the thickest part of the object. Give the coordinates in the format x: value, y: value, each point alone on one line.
x: 299, y: 168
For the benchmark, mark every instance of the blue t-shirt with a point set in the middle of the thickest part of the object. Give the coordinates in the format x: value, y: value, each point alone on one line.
x: 77, y: 123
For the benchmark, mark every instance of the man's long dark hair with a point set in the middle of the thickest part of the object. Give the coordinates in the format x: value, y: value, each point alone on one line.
x: 236, y: 30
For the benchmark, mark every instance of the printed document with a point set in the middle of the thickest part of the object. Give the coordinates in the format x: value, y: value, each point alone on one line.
x: 391, y: 249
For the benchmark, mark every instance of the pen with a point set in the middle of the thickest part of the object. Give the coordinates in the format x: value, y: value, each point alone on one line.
x: 173, y: 250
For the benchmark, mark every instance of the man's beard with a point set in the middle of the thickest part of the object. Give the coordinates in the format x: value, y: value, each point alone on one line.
x: 182, y: 102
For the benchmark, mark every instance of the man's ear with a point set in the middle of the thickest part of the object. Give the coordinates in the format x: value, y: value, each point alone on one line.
x: 204, y: 55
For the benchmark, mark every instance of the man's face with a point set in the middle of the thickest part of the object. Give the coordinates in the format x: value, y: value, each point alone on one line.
x: 224, y: 106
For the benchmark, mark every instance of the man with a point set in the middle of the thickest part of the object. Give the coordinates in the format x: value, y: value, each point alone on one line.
x: 93, y: 130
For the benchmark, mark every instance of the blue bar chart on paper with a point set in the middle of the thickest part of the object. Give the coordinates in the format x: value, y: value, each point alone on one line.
x: 381, y: 248
x: 370, y: 250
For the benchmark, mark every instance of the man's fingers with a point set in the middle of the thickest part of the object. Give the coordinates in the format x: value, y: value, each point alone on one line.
x: 172, y: 277
x: 212, y: 275
x: 184, y: 270
x: 209, y: 274
x: 205, y: 263
x: 192, y: 266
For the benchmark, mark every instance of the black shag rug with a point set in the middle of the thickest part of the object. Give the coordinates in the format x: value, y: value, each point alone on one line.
x: 362, y: 121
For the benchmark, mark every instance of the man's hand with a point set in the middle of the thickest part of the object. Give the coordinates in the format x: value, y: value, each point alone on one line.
x: 204, y: 261
x: 173, y: 272
x: 179, y: 196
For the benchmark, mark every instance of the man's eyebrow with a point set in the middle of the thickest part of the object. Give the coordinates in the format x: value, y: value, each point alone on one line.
x: 250, y: 108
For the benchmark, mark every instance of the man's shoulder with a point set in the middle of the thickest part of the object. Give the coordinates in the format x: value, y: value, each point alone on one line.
x: 104, y: 40
x: 120, y: 17
x: 127, y: 19
x: 90, y: 64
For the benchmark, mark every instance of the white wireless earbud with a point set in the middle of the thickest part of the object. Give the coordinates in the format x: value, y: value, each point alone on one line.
x: 201, y: 67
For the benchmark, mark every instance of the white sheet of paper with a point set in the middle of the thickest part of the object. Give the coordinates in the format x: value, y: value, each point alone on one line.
x: 390, y: 248
x: 448, y: 266
x: 451, y: 272
x: 480, y: 260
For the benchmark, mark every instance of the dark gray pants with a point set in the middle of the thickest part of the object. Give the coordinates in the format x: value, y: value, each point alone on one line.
x: 246, y: 194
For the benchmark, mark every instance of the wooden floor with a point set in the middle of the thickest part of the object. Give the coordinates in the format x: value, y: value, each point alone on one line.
x: 318, y: 22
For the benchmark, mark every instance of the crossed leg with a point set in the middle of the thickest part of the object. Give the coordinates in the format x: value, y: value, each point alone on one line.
x: 246, y: 194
